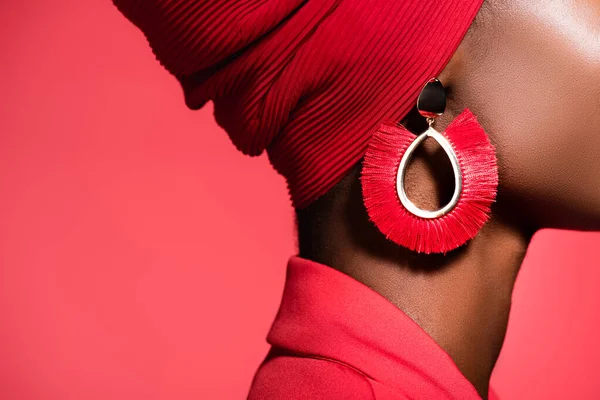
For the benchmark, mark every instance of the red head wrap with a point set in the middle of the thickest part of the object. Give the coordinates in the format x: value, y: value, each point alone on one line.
x: 307, y: 80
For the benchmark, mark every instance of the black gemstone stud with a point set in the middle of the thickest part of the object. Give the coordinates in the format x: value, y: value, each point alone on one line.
x: 432, y: 100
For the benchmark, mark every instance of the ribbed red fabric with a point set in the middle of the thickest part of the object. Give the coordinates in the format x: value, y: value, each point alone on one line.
x: 309, y: 81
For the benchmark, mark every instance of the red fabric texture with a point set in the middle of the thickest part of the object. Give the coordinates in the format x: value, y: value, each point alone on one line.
x: 307, y: 81
x: 335, y: 338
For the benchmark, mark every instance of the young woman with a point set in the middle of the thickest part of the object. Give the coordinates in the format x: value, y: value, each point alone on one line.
x: 409, y: 244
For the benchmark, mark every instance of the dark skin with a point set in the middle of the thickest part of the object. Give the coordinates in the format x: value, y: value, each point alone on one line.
x: 530, y: 71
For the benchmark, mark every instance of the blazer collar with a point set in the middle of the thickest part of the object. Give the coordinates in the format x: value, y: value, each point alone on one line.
x: 327, y: 314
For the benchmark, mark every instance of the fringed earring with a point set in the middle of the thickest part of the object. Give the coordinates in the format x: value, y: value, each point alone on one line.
x: 475, y: 169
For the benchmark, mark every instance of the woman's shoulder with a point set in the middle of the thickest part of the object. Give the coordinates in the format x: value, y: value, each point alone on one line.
x: 296, y: 377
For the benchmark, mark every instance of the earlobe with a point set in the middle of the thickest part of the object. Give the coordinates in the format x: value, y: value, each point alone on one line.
x: 454, y: 68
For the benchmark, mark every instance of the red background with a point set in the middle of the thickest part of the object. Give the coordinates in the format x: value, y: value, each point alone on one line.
x: 141, y: 256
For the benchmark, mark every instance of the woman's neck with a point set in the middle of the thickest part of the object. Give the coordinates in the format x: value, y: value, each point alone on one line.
x: 462, y: 299
x: 462, y: 303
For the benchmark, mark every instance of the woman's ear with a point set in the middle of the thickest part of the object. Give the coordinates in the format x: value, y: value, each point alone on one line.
x: 454, y: 68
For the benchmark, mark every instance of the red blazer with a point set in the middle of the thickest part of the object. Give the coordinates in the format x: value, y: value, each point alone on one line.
x: 335, y: 338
